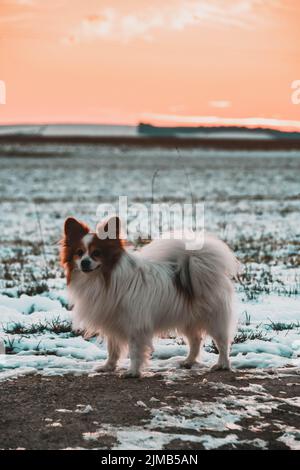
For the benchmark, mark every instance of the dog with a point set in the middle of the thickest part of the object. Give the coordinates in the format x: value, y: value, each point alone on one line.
x: 131, y: 296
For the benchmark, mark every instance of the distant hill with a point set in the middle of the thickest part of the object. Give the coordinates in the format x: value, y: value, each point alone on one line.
x: 230, y: 132
x: 146, y: 135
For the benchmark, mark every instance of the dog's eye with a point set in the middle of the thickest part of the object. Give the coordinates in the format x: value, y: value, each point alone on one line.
x: 79, y: 253
x: 96, y: 254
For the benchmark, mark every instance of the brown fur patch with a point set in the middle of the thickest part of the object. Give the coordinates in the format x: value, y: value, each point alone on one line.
x: 74, y: 231
x: 183, y: 281
x: 107, y: 251
x: 110, y: 252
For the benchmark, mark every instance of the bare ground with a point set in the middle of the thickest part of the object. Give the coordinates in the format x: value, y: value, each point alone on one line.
x: 28, y: 407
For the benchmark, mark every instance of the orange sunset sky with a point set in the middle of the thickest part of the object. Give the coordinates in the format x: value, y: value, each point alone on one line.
x: 166, y: 62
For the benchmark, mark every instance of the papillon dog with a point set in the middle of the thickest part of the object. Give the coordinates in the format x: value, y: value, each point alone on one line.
x: 131, y: 296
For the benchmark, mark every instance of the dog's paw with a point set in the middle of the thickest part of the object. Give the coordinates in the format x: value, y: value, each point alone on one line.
x: 131, y: 374
x: 186, y: 364
x: 105, y: 368
x: 220, y: 366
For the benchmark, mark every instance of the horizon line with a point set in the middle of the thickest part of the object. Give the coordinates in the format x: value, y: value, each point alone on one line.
x: 203, y: 123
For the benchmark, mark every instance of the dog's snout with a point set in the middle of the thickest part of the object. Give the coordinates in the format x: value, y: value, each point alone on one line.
x: 86, y: 265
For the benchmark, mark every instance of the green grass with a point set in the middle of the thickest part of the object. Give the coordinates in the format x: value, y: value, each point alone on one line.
x: 282, y: 326
x: 56, y: 326
x: 241, y: 337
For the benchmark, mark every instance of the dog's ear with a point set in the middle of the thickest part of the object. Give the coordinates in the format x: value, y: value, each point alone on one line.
x: 73, y: 229
x: 109, y: 229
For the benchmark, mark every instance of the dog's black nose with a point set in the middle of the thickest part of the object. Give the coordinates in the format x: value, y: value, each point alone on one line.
x: 85, y: 265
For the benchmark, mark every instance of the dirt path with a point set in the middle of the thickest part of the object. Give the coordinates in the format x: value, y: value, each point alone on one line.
x: 44, y: 412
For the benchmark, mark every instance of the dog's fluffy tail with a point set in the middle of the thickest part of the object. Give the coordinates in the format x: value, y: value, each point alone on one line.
x: 217, y: 256
x: 205, y: 262
x: 211, y: 269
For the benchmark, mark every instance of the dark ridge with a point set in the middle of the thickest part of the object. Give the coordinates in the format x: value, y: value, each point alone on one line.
x: 149, y: 129
x: 151, y: 141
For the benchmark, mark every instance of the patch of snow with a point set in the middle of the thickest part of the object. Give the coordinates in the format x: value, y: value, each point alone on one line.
x: 95, y: 436
x: 141, y: 404
x: 13, y: 374
x: 275, y: 307
x: 196, y: 416
x: 291, y: 438
x: 137, y: 438
x: 153, y: 399
x: 258, y: 346
x: 293, y: 401
x: 84, y: 409
x: 141, y: 438
x: 27, y: 304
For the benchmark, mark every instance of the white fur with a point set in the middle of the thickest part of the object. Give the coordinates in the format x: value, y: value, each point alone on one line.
x: 86, y: 242
x: 141, y: 300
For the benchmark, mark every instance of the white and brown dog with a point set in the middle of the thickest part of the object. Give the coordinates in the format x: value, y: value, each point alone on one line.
x: 129, y: 297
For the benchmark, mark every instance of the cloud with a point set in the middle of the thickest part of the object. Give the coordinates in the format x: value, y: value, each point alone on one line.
x: 222, y: 121
x: 220, y: 104
x: 175, y: 15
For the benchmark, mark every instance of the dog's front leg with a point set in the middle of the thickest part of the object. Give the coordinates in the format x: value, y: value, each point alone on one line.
x: 139, y: 346
x: 114, y: 351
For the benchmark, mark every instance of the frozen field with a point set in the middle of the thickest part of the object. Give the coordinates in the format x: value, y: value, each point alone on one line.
x: 251, y: 200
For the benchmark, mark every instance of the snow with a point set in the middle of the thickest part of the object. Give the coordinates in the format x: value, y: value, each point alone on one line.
x: 59, y: 353
x: 27, y: 305
x: 196, y: 416
x: 13, y: 374
x: 84, y: 409
x: 140, y: 439
x: 275, y: 308
x: 191, y: 418
x: 76, y: 348
x: 141, y: 404
x: 259, y: 346
x: 291, y: 438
